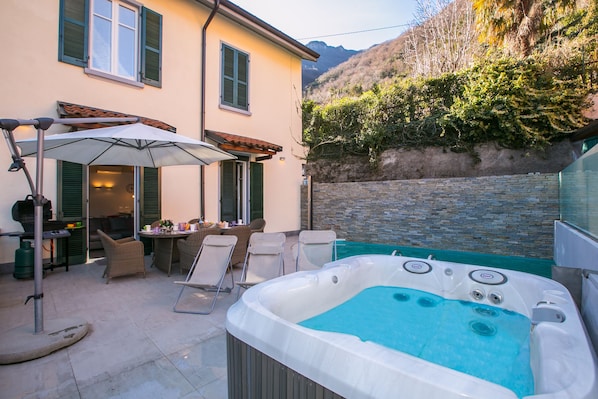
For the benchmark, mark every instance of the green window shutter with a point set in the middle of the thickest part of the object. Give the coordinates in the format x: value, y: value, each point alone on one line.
x: 150, y: 200
x: 72, y: 191
x: 72, y: 209
x: 242, y: 75
x: 256, y: 196
x: 73, y: 32
x: 228, y: 195
x: 228, y: 75
x: 151, y: 47
x: 235, y: 77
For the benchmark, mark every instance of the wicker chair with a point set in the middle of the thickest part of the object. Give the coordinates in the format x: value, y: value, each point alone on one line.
x: 243, y: 233
x: 124, y: 256
x: 189, y: 247
x: 257, y: 225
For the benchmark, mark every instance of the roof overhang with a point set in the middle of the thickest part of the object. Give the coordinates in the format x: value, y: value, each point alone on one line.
x: 69, y: 110
x: 253, y: 23
x: 242, y: 144
x: 590, y: 130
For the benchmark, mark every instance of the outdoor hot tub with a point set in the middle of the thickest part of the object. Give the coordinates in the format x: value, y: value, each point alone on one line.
x: 272, y: 353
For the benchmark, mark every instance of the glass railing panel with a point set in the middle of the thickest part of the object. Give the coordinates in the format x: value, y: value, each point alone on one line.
x: 579, y: 193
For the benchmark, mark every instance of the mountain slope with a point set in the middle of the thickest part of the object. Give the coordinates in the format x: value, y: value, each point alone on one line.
x: 362, y: 71
x: 416, y: 52
x: 329, y: 58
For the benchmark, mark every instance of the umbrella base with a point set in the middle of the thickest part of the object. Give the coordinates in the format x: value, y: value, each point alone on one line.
x: 22, y: 344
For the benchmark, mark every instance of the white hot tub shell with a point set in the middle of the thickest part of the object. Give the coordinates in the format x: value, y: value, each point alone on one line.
x: 264, y: 322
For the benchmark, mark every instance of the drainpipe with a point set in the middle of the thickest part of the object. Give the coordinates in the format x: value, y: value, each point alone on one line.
x: 202, y: 188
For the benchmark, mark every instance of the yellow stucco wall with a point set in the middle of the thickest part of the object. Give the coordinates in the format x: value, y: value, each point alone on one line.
x: 33, y: 80
x: 592, y: 112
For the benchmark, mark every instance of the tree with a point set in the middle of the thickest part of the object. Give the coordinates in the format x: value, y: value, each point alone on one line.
x: 444, y: 40
x: 517, y: 25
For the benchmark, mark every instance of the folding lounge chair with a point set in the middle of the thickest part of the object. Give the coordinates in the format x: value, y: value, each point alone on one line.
x: 315, y: 248
x: 209, y: 269
x: 264, y: 259
x: 189, y: 247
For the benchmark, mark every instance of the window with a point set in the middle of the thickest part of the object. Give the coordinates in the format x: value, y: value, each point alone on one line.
x: 235, y: 73
x: 125, y: 40
x: 114, y: 38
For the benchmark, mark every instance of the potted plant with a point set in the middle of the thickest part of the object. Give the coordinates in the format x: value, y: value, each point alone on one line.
x: 166, y: 225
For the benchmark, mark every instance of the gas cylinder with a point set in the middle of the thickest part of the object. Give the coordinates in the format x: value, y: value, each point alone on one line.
x: 24, y: 261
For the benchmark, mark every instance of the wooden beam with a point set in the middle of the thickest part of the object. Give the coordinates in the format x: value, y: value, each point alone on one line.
x: 231, y: 147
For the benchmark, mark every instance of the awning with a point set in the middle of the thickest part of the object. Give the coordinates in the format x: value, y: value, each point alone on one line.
x: 69, y: 110
x: 586, y: 132
x: 235, y: 143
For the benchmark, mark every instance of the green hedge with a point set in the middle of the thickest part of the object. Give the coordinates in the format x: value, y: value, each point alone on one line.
x: 518, y: 103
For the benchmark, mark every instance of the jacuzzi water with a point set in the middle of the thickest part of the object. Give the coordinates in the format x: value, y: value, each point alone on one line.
x: 481, y: 340
x: 265, y: 320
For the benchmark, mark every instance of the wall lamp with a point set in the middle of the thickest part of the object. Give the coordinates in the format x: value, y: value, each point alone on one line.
x: 103, y: 187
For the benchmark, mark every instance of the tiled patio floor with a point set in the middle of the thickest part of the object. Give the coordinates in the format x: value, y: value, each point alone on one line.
x: 136, y: 347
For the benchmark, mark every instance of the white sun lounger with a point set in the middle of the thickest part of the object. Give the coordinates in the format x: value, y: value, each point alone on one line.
x: 264, y: 259
x: 209, y: 268
x: 315, y: 248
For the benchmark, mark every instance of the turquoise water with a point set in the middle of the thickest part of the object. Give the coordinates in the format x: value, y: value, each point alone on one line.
x: 484, y: 341
x: 540, y: 267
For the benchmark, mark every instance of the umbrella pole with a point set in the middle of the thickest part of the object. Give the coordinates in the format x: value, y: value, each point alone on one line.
x: 38, y: 270
x: 8, y: 125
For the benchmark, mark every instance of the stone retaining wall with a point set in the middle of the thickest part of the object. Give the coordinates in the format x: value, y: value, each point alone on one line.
x: 505, y: 215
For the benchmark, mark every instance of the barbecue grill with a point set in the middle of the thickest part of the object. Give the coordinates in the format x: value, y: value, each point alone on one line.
x: 23, y: 212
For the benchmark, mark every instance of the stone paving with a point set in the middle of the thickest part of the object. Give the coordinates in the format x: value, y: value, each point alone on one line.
x: 136, y: 347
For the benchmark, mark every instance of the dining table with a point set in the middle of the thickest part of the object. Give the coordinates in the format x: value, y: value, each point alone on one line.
x: 164, y: 247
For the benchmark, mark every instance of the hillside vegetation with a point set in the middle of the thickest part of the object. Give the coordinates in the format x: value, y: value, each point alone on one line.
x: 421, y: 51
x: 460, y: 78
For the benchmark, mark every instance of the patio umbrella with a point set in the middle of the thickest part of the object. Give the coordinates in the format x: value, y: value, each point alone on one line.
x: 134, y: 145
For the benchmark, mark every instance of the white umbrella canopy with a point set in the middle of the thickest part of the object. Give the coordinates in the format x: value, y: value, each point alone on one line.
x: 134, y: 145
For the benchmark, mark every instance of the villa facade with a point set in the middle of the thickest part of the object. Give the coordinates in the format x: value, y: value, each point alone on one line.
x: 204, y: 69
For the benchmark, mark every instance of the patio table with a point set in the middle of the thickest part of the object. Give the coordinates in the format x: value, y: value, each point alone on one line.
x: 165, y: 250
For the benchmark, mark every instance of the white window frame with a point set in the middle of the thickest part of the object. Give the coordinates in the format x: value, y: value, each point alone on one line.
x: 114, y: 50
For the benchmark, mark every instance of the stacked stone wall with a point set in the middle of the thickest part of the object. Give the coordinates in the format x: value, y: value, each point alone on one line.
x: 505, y: 215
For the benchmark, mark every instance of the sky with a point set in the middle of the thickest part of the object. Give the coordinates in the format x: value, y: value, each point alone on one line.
x: 334, y: 21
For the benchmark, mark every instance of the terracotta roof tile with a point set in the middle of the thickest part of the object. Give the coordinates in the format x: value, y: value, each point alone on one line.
x: 233, y: 142
x: 69, y: 110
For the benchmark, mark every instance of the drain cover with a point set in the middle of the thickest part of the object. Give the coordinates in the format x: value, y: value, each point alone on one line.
x: 417, y: 267
x: 482, y: 328
x: 488, y: 312
x: 489, y: 277
x: 401, y: 297
x: 425, y: 302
